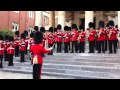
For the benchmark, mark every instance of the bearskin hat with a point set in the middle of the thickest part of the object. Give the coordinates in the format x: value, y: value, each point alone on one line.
x: 42, y: 29
x: 74, y: 26
x: 23, y: 36
x: 6, y: 37
x: 38, y: 36
x: 55, y: 29
x: 116, y: 26
x: 26, y: 32
x: 11, y: 38
x: 17, y: 33
x: 32, y: 35
x: 81, y: 27
x: 1, y: 37
x: 101, y: 24
x: 65, y: 28
x: 111, y: 23
x: 51, y: 29
x: 91, y: 25
x: 69, y: 28
x: 107, y: 25
x: 36, y: 28
x: 59, y: 26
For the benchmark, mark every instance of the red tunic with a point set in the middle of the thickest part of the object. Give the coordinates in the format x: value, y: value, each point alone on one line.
x: 6, y: 45
x: 74, y: 35
x: 66, y: 36
x: 31, y: 42
x: 10, y: 49
x: 44, y: 38
x: 59, y: 36
x: 38, y: 50
x: 101, y: 37
x: 51, y: 38
x: 82, y: 39
x: 113, y: 35
x: 22, y: 45
x: 92, y: 36
x: 1, y: 48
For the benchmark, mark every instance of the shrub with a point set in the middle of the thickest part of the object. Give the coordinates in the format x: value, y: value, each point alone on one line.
x: 6, y: 32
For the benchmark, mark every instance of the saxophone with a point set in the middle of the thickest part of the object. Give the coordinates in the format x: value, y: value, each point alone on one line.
x: 35, y: 60
x: 79, y: 37
x: 99, y: 33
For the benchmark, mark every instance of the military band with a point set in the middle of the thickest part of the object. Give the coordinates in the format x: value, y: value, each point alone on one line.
x: 73, y: 40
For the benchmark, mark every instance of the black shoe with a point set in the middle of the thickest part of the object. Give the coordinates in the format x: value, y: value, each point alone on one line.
x: 109, y: 52
x: 71, y: 52
x: 98, y: 52
x: 1, y: 66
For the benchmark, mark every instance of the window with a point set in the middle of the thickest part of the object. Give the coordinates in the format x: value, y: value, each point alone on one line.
x: 31, y: 14
x: 15, y: 26
x: 46, y: 21
x: 30, y: 29
x: 16, y: 11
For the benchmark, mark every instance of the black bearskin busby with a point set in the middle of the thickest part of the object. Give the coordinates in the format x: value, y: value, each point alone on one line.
x: 11, y: 39
x: 26, y: 33
x: 101, y: 24
x: 69, y: 28
x: 55, y: 29
x: 111, y: 23
x: 42, y: 29
x: 65, y: 28
x: 38, y: 36
x: 6, y: 37
x: 116, y: 26
x: 22, y: 36
x: 59, y: 27
x: 17, y: 33
x: 36, y: 28
x: 1, y: 37
x: 51, y: 29
x: 91, y: 25
x: 81, y: 27
x: 32, y: 35
x: 74, y: 26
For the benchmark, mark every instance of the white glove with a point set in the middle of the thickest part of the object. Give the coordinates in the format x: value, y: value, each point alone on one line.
x: 51, y: 48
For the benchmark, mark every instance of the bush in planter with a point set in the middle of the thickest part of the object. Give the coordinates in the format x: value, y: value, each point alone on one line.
x: 6, y: 32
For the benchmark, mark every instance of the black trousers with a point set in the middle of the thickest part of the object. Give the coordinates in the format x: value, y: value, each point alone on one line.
x: 50, y: 45
x: 37, y: 68
x: 6, y: 57
x: 74, y: 46
x: 81, y: 47
x: 1, y: 59
x: 106, y: 44
x: 26, y: 50
x: 10, y: 59
x: 113, y: 43
x: 101, y: 46
x: 59, y: 46
x: 66, y: 44
x: 17, y: 51
x: 91, y: 46
x: 22, y: 56
x: 69, y: 46
x: 96, y: 45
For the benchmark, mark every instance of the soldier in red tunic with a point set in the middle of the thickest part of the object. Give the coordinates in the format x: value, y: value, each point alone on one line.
x: 112, y: 37
x: 37, y: 50
x: 31, y: 42
x: 69, y: 30
x: 16, y: 43
x: 6, y: 45
x: 74, y: 37
x: 22, y: 47
x: 1, y: 51
x: 59, y: 35
x: 81, y: 39
x: 51, y: 39
x: 101, y: 37
x: 66, y: 37
x: 91, y: 37
x: 26, y: 40
x: 10, y: 51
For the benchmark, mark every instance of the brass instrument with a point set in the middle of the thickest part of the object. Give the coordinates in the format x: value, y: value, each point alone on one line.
x: 99, y: 33
x: 109, y: 35
x: 80, y: 34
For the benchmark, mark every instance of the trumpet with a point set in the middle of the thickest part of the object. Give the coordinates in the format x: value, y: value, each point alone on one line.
x: 109, y: 35
x: 79, y: 37
x: 99, y: 33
